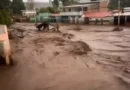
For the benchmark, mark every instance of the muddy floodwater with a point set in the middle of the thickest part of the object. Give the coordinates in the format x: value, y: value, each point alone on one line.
x: 93, y: 58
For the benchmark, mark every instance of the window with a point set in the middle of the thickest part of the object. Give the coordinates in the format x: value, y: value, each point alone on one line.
x: 85, y: 8
x: 69, y: 9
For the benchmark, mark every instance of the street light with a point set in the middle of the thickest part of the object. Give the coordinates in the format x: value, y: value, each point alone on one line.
x: 36, y: 15
x: 119, y: 14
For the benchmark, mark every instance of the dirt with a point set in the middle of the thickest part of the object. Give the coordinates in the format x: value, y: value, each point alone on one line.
x: 70, y: 60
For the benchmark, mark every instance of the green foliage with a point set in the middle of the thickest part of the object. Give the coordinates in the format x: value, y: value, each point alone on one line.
x: 51, y: 9
x: 17, y: 6
x: 5, y: 17
x: 5, y: 4
x: 64, y: 2
x: 69, y: 2
x: 1, y: 18
x: 48, y: 10
x: 43, y: 10
x: 55, y: 3
x: 114, y: 4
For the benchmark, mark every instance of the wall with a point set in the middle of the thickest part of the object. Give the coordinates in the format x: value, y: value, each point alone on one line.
x: 93, y: 8
x: 104, y: 5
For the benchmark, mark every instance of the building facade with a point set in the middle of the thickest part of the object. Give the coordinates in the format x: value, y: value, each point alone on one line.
x: 28, y: 13
x: 104, y: 5
x: 73, y: 13
x: 76, y: 12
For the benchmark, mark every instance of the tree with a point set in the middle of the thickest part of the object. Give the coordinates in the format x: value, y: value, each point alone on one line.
x: 43, y: 10
x: 5, y: 4
x: 17, y: 6
x: 73, y: 2
x: 48, y: 10
x: 1, y: 18
x: 30, y: 5
x: 69, y: 2
x: 5, y: 17
x: 51, y: 9
x: 65, y: 2
x: 55, y: 3
x: 114, y: 4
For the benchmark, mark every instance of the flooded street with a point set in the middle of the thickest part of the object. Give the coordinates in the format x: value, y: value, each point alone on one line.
x: 94, y: 58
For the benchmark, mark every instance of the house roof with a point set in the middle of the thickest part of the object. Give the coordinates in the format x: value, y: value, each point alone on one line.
x: 122, y: 14
x: 98, y: 14
x: 91, y: 2
x: 127, y: 8
x: 73, y: 6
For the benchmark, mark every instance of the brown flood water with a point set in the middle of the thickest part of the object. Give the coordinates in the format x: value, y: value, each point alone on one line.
x: 94, y: 58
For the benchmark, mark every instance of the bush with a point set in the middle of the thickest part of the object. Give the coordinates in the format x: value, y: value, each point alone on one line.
x: 5, y: 17
x: 48, y: 10
x: 1, y: 18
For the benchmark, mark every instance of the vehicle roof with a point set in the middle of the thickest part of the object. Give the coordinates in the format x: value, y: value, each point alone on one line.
x: 2, y: 29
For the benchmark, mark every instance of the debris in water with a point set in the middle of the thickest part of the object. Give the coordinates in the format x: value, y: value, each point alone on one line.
x: 80, y: 48
x: 118, y: 29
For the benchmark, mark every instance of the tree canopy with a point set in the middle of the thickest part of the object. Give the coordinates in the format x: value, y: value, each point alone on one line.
x: 55, y: 3
x: 114, y: 4
x: 17, y: 6
x: 64, y: 2
x: 69, y: 2
x: 5, y: 17
x: 5, y: 4
x: 48, y: 10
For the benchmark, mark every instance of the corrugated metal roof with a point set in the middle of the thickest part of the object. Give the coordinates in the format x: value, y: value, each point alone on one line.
x: 122, y: 14
x: 71, y: 13
x: 74, y: 6
x: 98, y: 14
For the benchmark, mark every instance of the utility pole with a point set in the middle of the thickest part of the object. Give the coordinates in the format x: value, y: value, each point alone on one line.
x: 37, y: 12
x: 119, y: 14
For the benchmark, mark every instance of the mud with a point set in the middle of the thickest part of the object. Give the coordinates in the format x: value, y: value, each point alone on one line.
x: 79, y: 48
x: 70, y: 60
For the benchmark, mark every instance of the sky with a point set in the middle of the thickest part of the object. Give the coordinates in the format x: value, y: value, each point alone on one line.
x: 38, y: 0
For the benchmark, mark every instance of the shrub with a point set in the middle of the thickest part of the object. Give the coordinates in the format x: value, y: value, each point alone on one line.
x: 5, y: 17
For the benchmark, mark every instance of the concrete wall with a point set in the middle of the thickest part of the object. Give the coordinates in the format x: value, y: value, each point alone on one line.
x: 104, y: 5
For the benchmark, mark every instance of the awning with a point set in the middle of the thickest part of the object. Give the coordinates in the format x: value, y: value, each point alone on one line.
x: 122, y: 14
x: 98, y: 14
x: 54, y: 15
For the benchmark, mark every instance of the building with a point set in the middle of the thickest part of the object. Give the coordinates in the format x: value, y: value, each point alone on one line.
x: 72, y: 13
x: 104, y: 5
x: 76, y: 12
x: 124, y: 17
x: 28, y: 13
x: 96, y: 5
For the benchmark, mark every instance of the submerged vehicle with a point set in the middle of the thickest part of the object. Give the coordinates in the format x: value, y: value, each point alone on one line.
x: 5, y: 51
